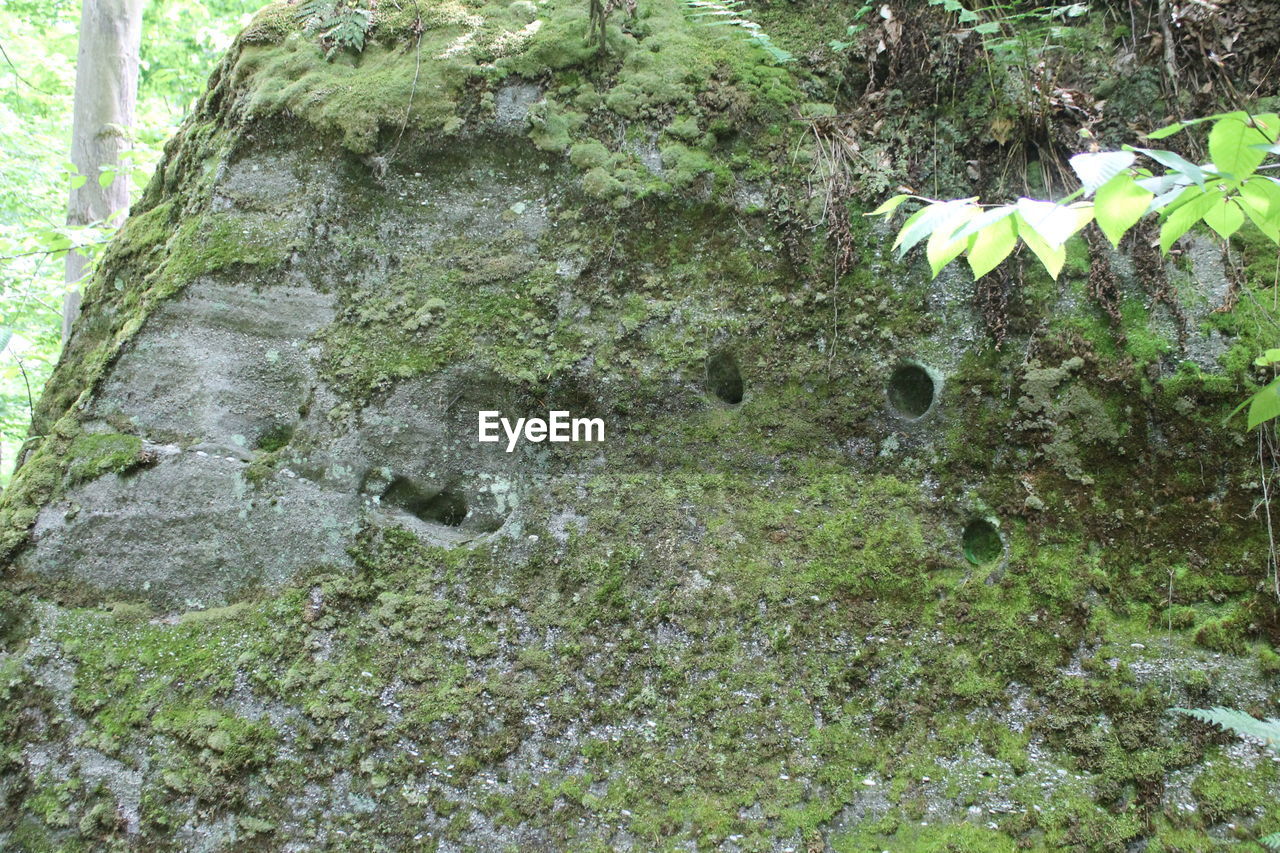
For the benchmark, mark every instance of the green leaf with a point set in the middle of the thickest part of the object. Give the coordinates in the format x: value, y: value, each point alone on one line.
x: 1163, y: 185
x: 912, y: 231
x: 923, y: 222
x: 1171, y: 129
x: 1118, y: 206
x: 1096, y: 169
x: 1225, y: 217
x: 1260, y: 199
x: 106, y: 179
x: 1053, y: 257
x: 973, y: 226
x: 1271, y: 842
x: 1264, y: 194
x: 943, y: 248
x: 992, y: 244
x: 1268, y: 358
x: 1231, y: 143
x: 1265, y: 405
x: 1179, y: 222
x: 77, y: 181
x: 889, y: 206
x: 1167, y: 130
x: 1268, y: 124
x: 989, y: 28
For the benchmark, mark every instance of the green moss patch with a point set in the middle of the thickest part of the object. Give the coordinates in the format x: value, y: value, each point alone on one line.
x: 93, y: 454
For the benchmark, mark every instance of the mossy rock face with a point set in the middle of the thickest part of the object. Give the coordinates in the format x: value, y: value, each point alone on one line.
x: 266, y: 588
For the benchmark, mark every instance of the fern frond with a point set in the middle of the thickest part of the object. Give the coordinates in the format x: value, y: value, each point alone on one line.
x: 341, y: 23
x: 1271, y: 842
x: 317, y: 9
x: 730, y: 13
x: 1238, y: 722
x: 348, y: 28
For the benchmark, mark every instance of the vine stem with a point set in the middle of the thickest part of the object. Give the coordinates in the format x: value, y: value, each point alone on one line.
x: 1266, y: 504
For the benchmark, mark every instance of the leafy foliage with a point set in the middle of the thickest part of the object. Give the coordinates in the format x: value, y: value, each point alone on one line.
x: 730, y: 13
x: 1221, y: 194
x: 1239, y: 722
x: 1007, y: 28
x: 343, y: 24
x: 1265, y: 404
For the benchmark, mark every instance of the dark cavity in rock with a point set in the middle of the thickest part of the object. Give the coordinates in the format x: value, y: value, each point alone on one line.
x: 274, y: 437
x: 981, y: 542
x: 444, y: 507
x: 911, y: 391
x: 724, y: 379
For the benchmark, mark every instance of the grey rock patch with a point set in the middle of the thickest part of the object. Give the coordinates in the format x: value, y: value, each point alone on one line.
x: 189, y: 533
x: 249, y: 347
x: 513, y: 103
x: 647, y: 152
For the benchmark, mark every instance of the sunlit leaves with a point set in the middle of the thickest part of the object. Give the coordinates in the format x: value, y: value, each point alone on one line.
x: 1234, y: 141
x: 1260, y: 200
x: 1053, y: 223
x: 1222, y: 195
x: 1264, y: 405
x: 1267, y: 730
x: 1185, y: 212
x: 943, y: 246
x: 1052, y: 257
x: 890, y: 205
x: 925, y: 221
x: 182, y: 42
x: 1174, y: 162
x: 993, y: 244
x: 1224, y: 216
x: 1119, y: 204
x: 1268, y: 358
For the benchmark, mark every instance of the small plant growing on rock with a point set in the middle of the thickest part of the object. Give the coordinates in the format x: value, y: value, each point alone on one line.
x: 343, y: 24
x: 1242, y: 724
x: 729, y: 13
x: 600, y: 12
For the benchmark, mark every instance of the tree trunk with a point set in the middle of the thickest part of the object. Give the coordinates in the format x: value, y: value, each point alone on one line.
x: 106, y: 94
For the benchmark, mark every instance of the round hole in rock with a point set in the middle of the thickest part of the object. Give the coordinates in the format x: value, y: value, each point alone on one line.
x: 981, y: 542
x: 911, y: 390
x: 443, y: 507
x: 724, y: 379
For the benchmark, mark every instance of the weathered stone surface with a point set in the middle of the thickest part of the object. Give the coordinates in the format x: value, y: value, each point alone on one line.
x: 190, y: 533
x: 267, y: 590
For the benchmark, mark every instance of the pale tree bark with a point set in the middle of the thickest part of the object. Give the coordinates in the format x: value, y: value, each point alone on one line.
x: 106, y: 95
